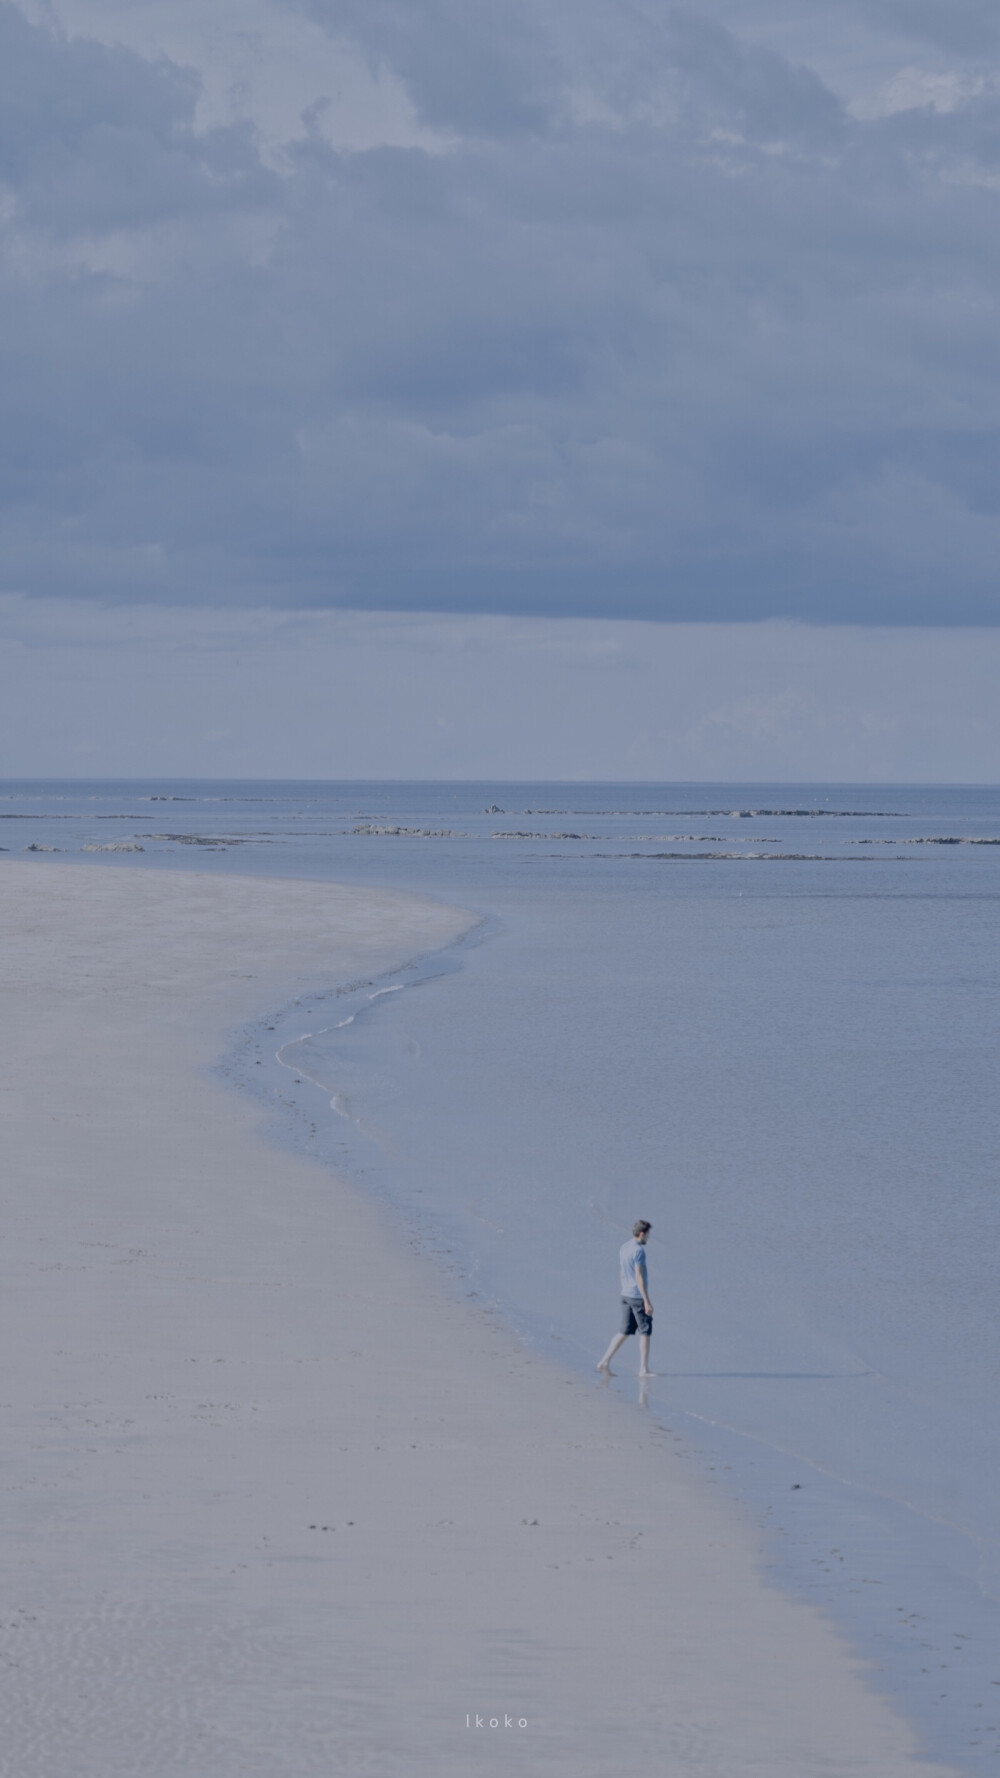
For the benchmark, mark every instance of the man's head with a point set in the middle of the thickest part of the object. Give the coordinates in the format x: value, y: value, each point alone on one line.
x: 640, y: 1230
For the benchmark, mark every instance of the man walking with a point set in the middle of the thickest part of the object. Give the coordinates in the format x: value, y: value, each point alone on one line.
x: 637, y: 1310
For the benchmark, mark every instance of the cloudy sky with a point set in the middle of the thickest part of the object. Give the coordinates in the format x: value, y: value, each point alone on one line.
x: 602, y: 330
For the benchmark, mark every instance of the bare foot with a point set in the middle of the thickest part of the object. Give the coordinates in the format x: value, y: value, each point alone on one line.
x: 606, y: 1368
x: 647, y: 1374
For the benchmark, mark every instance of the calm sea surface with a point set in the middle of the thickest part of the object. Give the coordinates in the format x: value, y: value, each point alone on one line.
x: 765, y: 1018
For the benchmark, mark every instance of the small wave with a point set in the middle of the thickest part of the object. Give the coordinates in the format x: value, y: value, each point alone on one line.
x: 369, y: 829
x: 740, y: 814
x: 742, y: 857
x: 650, y: 838
x: 109, y: 846
x: 215, y: 840
x: 949, y: 839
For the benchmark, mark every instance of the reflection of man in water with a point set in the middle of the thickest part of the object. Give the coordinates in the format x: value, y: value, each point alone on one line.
x: 637, y: 1310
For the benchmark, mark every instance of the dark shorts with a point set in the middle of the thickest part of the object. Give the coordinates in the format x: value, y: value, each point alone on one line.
x: 634, y: 1317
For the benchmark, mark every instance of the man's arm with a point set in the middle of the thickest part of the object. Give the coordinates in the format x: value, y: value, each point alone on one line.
x: 640, y: 1272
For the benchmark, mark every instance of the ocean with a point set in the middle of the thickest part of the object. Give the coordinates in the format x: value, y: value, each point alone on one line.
x: 764, y: 1017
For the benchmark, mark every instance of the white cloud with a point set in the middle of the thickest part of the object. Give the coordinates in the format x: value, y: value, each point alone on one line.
x: 911, y: 89
x: 255, y: 61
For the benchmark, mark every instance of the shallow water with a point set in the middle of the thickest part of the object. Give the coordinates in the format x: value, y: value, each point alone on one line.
x: 764, y: 1018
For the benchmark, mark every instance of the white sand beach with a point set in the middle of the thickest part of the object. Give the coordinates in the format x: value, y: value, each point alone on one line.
x: 274, y: 1504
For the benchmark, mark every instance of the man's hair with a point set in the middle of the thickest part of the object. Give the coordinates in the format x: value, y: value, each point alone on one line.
x: 641, y: 1228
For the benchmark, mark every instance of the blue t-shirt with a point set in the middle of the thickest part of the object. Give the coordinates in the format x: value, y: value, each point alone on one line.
x: 633, y: 1263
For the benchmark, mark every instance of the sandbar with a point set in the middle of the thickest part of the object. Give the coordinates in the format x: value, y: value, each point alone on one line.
x: 275, y: 1502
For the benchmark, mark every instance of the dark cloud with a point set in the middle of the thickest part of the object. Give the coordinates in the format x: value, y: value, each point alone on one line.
x: 853, y: 32
x: 475, y: 65
x: 660, y: 329
x: 964, y: 27
x: 93, y: 138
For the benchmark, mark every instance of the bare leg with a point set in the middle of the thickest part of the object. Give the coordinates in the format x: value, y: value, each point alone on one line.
x: 644, y: 1370
x: 619, y: 1340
